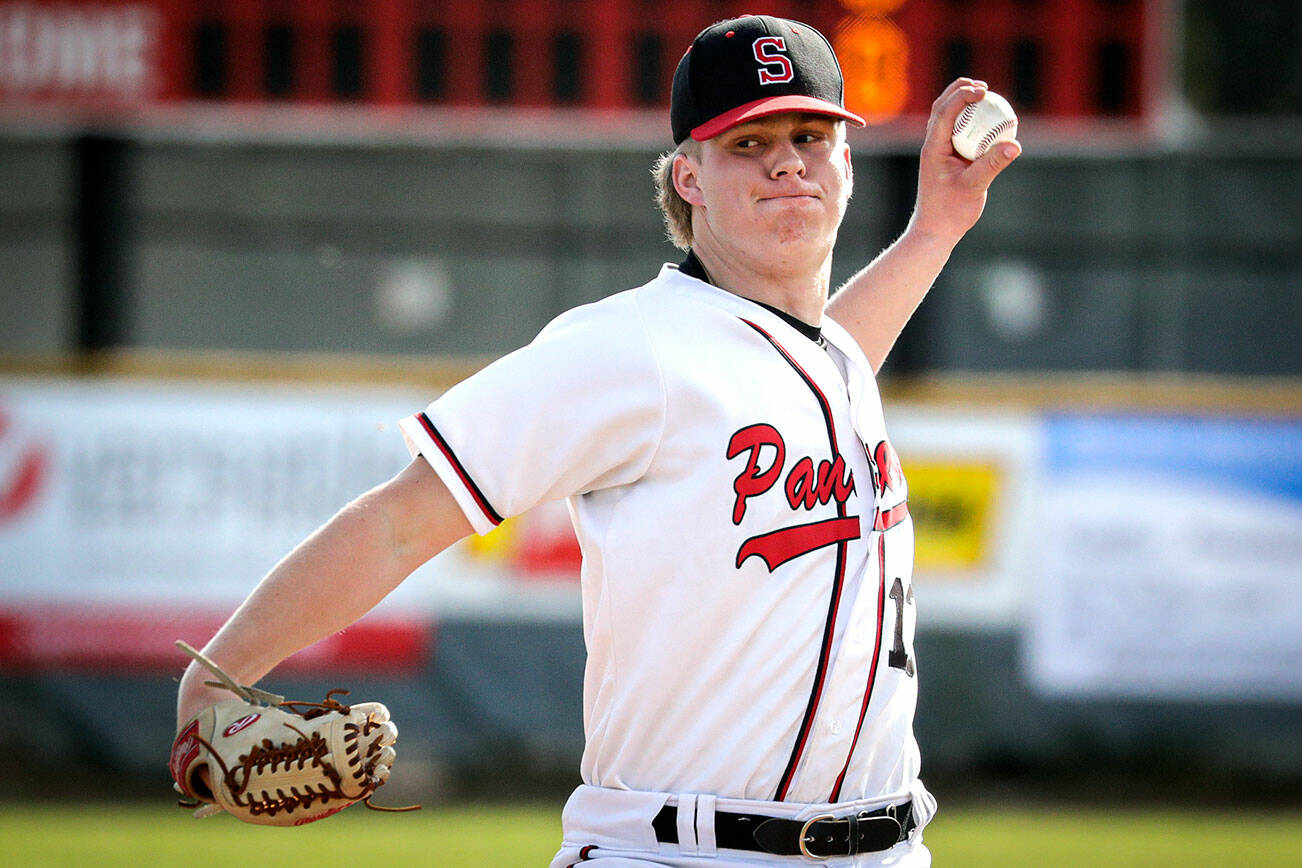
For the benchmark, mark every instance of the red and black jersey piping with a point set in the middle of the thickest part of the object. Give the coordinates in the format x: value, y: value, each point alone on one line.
x: 835, y: 795
x: 480, y: 500
x: 838, y: 584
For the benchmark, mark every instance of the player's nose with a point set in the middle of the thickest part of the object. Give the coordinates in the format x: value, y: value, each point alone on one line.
x: 785, y: 160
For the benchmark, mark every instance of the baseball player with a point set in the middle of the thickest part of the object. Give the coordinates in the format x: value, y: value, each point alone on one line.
x: 747, y: 598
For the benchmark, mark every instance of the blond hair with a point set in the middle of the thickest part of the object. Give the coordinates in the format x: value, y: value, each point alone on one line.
x: 677, y: 211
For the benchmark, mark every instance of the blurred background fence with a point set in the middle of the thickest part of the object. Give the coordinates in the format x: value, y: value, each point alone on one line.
x: 238, y: 240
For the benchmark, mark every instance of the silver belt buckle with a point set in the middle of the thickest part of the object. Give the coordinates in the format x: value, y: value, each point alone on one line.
x: 806, y: 838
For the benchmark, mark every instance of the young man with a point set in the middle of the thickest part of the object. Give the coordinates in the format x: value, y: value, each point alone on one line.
x: 747, y: 603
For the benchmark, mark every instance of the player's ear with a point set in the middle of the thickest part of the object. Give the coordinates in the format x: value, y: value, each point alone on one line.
x: 686, y: 176
x: 849, y: 169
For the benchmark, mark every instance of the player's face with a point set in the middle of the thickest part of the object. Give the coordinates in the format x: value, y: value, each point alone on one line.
x: 775, y: 188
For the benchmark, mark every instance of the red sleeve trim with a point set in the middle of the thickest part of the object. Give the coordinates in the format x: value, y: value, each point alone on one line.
x: 442, y: 444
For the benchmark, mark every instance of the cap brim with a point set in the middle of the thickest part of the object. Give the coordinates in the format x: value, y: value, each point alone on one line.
x: 772, y: 105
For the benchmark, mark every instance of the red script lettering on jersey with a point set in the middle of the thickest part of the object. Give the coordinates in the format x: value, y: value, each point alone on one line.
x: 807, y: 485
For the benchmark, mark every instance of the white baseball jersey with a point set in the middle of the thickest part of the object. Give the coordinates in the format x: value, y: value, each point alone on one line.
x: 747, y: 548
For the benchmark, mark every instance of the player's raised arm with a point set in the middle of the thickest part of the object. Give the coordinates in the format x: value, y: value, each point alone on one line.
x: 875, y: 304
x: 331, y: 579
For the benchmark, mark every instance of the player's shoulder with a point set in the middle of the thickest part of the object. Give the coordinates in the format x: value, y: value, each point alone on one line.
x: 671, y: 297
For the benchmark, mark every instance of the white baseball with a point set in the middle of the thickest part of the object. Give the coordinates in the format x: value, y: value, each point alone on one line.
x: 982, y: 124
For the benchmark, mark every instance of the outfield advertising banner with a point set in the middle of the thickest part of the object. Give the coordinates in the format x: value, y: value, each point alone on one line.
x: 1141, y: 555
x: 1171, y: 558
x: 133, y: 514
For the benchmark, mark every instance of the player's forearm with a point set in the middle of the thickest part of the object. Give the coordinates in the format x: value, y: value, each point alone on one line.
x: 876, y: 303
x: 326, y: 583
x: 333, y: 578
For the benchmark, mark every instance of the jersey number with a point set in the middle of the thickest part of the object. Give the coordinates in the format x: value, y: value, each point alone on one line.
x: 899, y: 657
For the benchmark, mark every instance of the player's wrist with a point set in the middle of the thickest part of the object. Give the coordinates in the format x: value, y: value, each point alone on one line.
x: 194, y: 696
x: 932, y: 236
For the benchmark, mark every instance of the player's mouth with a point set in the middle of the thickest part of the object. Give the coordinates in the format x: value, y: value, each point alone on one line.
x: 790, y: 197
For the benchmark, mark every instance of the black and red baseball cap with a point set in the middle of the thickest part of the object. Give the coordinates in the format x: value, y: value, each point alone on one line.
x: 753, y: 66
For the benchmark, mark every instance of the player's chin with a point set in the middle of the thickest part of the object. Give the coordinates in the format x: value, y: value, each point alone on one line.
x: 792, y: 233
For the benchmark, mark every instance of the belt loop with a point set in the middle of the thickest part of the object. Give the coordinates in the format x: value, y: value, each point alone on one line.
x: 705, y: 840
x: 687, y: 844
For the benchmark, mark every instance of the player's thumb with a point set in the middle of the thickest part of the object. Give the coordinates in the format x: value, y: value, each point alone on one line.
x: 994, y: 161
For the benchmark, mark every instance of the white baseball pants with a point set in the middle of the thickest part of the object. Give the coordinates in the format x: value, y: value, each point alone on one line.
x: 612, y: 829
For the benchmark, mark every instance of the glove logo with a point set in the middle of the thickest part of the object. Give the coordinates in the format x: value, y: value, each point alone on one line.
x: 184, y: 751
x: 303, y: 821
x: 243, y: 723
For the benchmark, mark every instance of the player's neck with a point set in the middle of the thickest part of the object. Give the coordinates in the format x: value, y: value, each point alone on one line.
x: 801, y: 292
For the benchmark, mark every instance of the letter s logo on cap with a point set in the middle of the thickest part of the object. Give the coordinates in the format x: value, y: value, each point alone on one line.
x: 775, y: 67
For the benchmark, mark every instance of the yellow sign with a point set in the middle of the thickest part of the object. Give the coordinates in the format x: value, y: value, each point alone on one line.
x: 952, y: 505
x: 874, y: 56
x: 499, y: 544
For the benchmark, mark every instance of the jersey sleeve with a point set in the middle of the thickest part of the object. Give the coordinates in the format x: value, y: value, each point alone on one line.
x: 579, y: 409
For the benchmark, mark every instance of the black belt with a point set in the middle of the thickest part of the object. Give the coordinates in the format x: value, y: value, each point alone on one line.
x: 821, y: 837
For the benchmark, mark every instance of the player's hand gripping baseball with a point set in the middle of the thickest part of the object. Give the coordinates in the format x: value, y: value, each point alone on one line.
x: 952, y: 190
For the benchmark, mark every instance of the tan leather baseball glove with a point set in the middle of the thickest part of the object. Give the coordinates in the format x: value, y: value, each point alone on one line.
x: 281, y: 763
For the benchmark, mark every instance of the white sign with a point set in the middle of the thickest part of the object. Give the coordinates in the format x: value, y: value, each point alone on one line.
x: 113, y: 491
x: 1172, y: 559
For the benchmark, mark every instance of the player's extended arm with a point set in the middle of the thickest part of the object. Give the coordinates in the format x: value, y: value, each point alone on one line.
x: 331, y: 579
x: 875, y: 304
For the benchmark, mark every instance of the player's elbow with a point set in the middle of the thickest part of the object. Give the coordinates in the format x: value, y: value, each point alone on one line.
x: 414, y: 515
